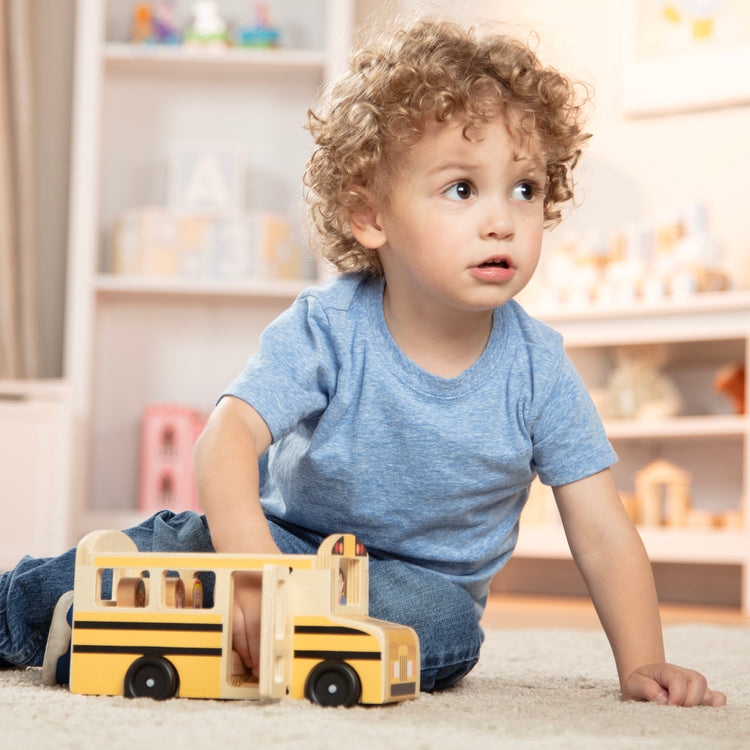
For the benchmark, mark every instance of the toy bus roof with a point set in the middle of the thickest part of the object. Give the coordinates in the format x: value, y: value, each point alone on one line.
x: 197, y: 560
x: 114, y: 549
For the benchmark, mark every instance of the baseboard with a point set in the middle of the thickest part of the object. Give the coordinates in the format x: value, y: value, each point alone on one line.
x: 711, y: 585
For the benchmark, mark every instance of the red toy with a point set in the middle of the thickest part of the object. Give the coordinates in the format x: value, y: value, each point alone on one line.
x: 168, y: 435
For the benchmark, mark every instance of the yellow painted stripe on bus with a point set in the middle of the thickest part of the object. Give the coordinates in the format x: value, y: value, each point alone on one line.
x: 152, y: 639
x: 317, y: 642
x: 207, y: 562
x: 122, y: 614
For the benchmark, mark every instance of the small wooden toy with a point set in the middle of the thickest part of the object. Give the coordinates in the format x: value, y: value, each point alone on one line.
x: 662, y: 498
x: 661, y: 481
x: 160, y: 625
x: 168, y: 435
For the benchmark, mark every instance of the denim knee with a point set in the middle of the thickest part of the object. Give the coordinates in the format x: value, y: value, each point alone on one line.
x: 28, y: 595
x: 442, y: 613
x: 172, y: 532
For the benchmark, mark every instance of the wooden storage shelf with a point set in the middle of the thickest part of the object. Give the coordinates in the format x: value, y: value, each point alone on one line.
x: 700, y: 335
x: 678, y: 427
x: 709, y: 546
x: 112, y: 286
x: 135, y: 341
x: 156, y: 58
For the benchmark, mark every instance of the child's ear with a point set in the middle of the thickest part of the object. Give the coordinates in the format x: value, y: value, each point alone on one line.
x: 364, y: 221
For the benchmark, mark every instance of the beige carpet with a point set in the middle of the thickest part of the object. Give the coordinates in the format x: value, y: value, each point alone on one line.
x: 531, y: 689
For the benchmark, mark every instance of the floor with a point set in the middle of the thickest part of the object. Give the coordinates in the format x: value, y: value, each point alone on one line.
x: 508, y: 612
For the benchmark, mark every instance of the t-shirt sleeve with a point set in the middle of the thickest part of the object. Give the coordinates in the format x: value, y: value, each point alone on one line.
x: 568, y: 436
x: 293, y: 373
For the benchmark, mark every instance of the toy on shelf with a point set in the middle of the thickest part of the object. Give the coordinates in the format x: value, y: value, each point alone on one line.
x: 163, y: 627
x: 670, y: 260
x: 154, y: 23
x: 637, y: 388
x: 164, y: 25
x: 262, y: 33
x: 168, y: 435
x: 730, y: 381
x: 142, y: 28
x: 662, y: 493
x: 662, y: 498
x: 205, y: 233
x: 159, y: 242
x: 208, y: 30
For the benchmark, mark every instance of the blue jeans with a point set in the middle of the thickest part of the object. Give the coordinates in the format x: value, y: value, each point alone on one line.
x: 441, y: 612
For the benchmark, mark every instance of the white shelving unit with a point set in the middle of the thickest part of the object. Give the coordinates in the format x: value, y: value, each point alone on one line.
x: 134, y: 341
x: 700, y: 335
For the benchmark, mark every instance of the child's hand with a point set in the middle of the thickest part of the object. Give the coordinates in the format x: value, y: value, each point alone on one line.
x: 670, y: 685
x: 246, y: 618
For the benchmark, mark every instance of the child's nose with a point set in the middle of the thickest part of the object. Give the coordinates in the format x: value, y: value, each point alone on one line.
x: 498, y: 221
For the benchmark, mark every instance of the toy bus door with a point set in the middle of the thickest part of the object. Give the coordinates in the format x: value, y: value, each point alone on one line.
x: 276, y: 633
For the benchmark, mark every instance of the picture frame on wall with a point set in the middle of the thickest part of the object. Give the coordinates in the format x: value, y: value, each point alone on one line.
x: 682, y: 55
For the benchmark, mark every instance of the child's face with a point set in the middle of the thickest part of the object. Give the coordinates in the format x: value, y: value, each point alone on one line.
x: 463, y: 225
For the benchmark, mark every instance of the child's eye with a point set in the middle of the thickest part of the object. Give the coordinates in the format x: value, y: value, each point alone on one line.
x: 460, y: 191
x: 525, y: 191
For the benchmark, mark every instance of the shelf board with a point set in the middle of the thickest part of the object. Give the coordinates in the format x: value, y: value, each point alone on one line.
x: 730, y: 301
x: 116, y: 285
x: 678, y: 427
x: 700, y: 546
x: 160, y: 57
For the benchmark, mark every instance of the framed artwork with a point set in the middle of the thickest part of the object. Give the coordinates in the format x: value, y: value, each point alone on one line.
x: 685, y: 55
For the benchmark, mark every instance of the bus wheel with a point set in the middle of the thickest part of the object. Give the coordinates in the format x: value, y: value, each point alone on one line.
x: 151, y: 677
x: 333, y: 683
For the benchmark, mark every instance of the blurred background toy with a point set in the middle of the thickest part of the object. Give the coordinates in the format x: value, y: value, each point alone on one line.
x: 637, y: 388
x: 730, y: 381
x: 663, y: 498
x: 154, y: 23
x: 262, y: 33
x: 208, y: 29
x: 163, y: 22
x: 168, y: 434
x: 142, y: 26
x: 671, y: 259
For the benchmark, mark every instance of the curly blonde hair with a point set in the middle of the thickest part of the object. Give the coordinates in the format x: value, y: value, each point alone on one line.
x: 432, y: 69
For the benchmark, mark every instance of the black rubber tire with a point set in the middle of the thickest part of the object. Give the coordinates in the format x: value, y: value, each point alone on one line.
x: 151, y: 677
x: 333, y: 683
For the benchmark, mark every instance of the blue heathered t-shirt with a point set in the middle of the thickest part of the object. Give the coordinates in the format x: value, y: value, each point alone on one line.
x: 429, y: 470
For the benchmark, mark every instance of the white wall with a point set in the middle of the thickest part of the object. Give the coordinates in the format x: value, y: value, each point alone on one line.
x: 635, y: 169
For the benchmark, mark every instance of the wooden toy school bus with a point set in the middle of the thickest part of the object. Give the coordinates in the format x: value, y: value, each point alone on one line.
x: 159, y: 625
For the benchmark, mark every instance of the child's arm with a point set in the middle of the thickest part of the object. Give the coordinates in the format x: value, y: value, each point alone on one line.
x: 226, y: 475
x: 613, y: 562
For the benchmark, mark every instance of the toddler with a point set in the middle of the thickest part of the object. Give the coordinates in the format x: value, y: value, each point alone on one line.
x: 411, y: 400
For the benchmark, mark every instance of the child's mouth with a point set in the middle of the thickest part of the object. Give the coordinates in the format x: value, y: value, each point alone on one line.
x: 495, y: 264
x: 495, y: 269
